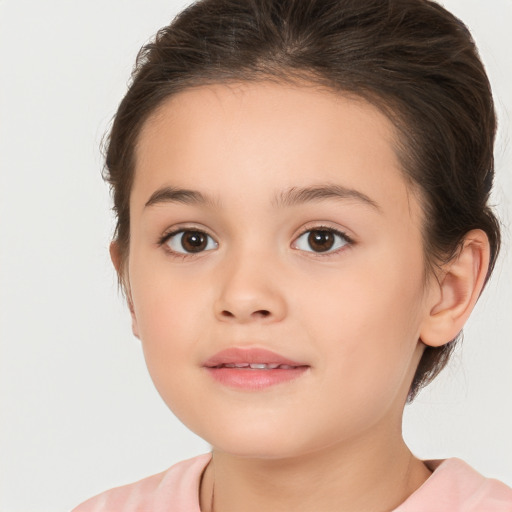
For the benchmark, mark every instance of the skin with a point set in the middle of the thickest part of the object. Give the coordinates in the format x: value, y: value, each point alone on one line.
x: 330, y: 439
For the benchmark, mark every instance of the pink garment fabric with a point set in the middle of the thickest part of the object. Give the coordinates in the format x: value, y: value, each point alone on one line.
x: 456, y: 487
x: 453, y: 487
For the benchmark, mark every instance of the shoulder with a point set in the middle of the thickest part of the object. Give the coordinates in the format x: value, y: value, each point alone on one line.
x: 178, y: 486
x: 454, y: 486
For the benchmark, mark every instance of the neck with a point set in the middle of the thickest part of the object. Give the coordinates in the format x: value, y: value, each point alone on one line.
x: 362, y: 476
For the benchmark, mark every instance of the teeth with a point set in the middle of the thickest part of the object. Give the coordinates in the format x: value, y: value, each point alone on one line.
x: 258, y: 366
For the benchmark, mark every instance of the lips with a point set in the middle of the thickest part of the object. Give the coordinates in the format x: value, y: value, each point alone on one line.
x: 256, y: 366
x: 244, y: 357
x: 252, y: 369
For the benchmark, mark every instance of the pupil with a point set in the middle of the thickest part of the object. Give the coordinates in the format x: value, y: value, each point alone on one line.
x: 321, y: 241
x: 193, y: 241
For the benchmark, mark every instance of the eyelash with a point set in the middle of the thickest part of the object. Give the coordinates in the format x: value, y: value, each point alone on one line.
x: 347, y: 239
x: 164, y: 239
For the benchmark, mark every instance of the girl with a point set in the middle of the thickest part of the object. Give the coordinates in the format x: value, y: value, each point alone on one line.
x: 301, y: 193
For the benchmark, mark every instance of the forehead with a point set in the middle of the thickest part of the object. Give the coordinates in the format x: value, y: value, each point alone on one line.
x: 257, y: 111
x: 266, y: 136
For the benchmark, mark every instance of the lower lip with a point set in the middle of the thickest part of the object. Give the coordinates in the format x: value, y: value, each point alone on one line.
x: 254, y: 379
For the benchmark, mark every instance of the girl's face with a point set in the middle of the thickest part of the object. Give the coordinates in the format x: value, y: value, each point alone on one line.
x: 267, y: 217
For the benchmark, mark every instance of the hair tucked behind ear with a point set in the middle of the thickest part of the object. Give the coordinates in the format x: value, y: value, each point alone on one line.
x: 411, y: 58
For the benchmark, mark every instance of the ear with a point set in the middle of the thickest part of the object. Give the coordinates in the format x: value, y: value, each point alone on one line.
x: 117, y: 260
x: 457, y: 290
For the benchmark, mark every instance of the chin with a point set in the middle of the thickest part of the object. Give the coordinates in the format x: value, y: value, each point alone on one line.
x: 258, y: 441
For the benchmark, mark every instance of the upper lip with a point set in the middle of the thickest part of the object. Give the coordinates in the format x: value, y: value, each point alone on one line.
x: 237, y: 355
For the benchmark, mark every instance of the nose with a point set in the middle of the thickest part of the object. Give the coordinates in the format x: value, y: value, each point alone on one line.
x: 250, y: 291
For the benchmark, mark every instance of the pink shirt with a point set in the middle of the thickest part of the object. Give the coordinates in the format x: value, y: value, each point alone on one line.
x: 453, y: 487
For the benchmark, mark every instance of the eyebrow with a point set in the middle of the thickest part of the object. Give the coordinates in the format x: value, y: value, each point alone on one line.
x: 178, y: 195
x: 296, y: 196
x: 292, y: 197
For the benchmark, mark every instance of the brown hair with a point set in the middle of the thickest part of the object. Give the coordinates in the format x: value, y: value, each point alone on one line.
x: 411, y: 58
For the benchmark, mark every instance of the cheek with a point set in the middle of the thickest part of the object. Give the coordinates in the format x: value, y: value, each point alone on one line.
x: 167, y: 309
x: 382, y: 294
x: 170, y: 334
x: 164, y: 301
x: 368, y: 319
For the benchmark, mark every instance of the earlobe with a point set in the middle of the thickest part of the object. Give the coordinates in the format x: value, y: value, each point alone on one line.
x: 135, y: 328
x: 115, y: 256
x: 457, y: 290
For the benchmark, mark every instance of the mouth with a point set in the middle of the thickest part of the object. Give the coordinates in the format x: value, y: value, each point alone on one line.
x: 256, y: 366
x: 253, y: 369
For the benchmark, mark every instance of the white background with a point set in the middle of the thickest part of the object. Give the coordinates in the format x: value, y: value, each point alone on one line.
x: 78, y: 411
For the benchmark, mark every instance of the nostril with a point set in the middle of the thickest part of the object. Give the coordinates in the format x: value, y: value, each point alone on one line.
x: 262, y: 313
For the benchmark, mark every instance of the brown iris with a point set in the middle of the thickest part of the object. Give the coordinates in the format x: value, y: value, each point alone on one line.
x: 321, y: 240
x: 194, y: 241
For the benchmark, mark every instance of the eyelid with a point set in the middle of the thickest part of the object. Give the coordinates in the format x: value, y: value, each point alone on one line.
x: 163, y: 239
x: 325, y: 226
x: 349, y: 241
x: 175, y: 230
x: 178, y: 228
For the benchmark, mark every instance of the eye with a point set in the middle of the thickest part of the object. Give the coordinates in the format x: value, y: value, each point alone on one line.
x: 188, y: 241
x: 321, y: 240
